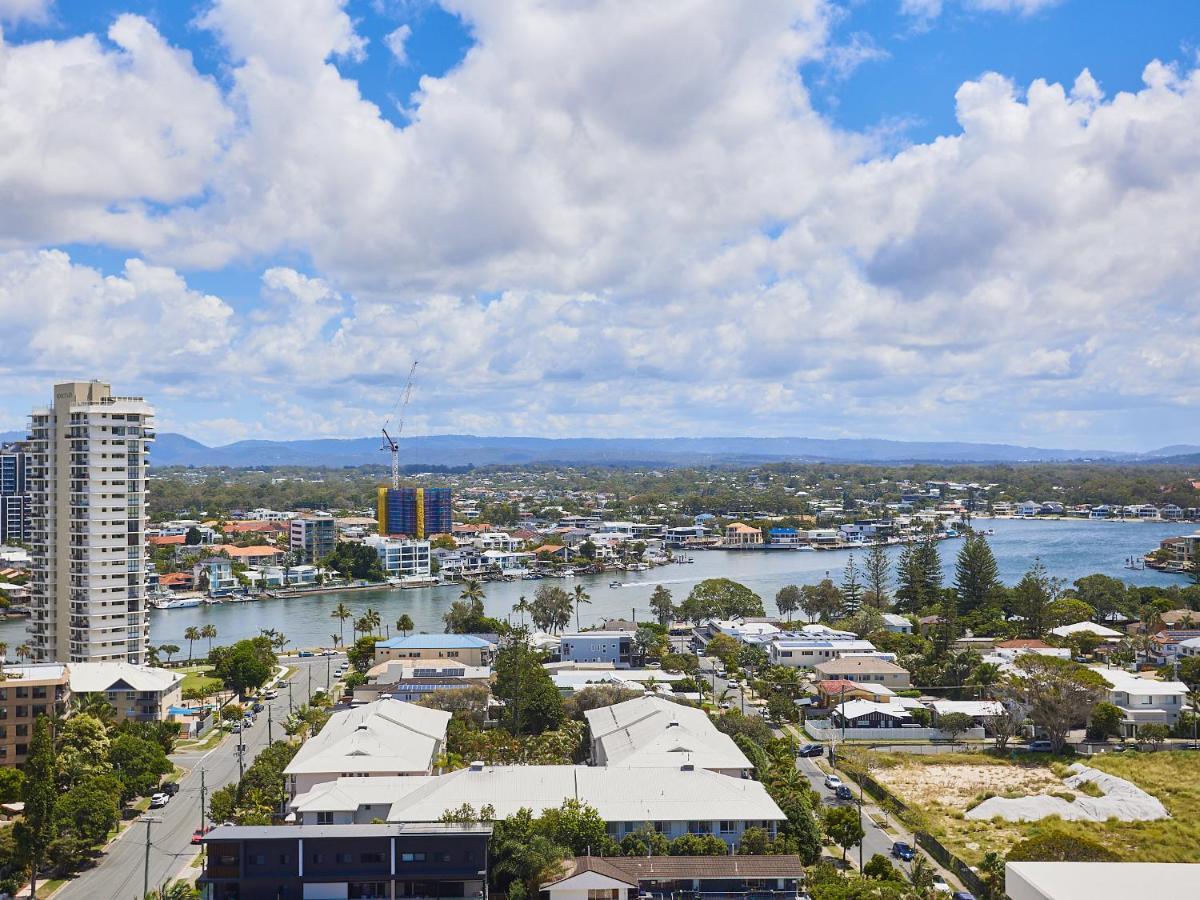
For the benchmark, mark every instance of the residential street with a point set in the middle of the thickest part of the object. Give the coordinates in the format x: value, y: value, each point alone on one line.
x: 120, y: 872
x: 876, y: 839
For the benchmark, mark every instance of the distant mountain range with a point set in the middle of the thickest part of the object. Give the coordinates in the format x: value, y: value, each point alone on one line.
x: 465, y: 449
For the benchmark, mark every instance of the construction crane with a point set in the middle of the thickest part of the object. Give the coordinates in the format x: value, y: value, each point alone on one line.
x: 388, y: 442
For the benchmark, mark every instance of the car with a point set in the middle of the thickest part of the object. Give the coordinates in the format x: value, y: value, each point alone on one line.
x: 842, y: 792
x: 237, y: 728
x: 726, y: 704
x: 159, y: 800
x: 939, y: 885
x: 733, y: 683
x: 832, y: 782
x: 1039, y: 747
x: 901, y: 850
x: 271, y: 694
x: 198, y: 834
x: 171, y: 788
x: 248, y: 721
x: 962, y: 895
x: 306, y: 653
x: 258, y: 707
x: 811, y: 750
x: 329, y: 653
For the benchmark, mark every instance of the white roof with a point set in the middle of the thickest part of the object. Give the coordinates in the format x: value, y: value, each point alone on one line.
x: 385, y: 735
x: 653, y: 731
x: 1098, y: 880
x: 896, y: 706
x: 1128, y: 683
x: 36, y: 671
x: 970, y: 707
x: 618, y: 794
x: 895, y: 619
x: 1101, y: 630
x: 577, y: 679
x: 86, y: 678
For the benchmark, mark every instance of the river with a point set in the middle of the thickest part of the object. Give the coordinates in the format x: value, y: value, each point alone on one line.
x: 1068, y: 549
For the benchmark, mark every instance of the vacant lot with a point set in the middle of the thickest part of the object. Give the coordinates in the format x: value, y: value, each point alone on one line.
x: 943, y: 787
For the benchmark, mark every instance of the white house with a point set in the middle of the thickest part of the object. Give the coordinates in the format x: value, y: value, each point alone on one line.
x: 897, y: 623
x: 1109, y: 635
x: 401, y: 558
x: 1144, y: 700
x: 805, y: 652
x: 1027, y: 508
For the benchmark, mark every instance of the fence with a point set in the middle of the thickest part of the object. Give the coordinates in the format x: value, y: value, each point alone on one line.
x: 821, y: 733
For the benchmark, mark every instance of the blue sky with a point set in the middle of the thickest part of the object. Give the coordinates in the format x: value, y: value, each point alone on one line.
x: 803, y: 217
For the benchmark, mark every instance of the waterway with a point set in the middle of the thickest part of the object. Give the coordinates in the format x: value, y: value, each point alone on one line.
x: 1068, y: 549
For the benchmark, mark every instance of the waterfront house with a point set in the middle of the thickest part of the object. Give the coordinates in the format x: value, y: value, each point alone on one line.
x: 786, y: 537
x: 468, y: 649
x: 739, y: 534
x: 401, y: 557
x: 1027, y: 509
x: 215, y: 573
x: 615, y: 647
x: 258, y: 555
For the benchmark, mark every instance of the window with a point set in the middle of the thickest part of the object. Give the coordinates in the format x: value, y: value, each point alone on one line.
x: 728, y: 827
x: 412, y: 857
x: 317, y: 858
x: 324, y: 818
x: 257, y: 859
x: 344, y: 857
x: 604, y: 894
x: 371, y: 857
x: 442, y: 856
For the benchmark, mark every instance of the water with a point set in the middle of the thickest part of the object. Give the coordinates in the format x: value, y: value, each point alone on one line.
x: 1069, y: 549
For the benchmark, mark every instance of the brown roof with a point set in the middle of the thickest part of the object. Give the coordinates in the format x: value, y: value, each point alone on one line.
x: 1175, y: 616
x: 166, y: 540
x: 598, y: 864
x: 849, y: 665
x: 175, y: 578
x: 257, y: 550
x: 255, y: 526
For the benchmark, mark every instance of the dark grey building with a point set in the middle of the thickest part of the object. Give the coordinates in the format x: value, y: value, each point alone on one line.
x: 345, y: 862
x: 14, y: 494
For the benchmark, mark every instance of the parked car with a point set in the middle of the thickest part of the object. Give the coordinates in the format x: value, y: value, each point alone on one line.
x: 306, y: 653
x: 939, y: 885
x: 237, y: 728
x: 842, y: 792
x: 271, y: 694
x: 833, y: 782
x: 159, y: 800
x: 962, y: 895
x: 1040, y: 746
x: 733, y: 683
x: 258, y: 707
x: 901, y: 850
x: 171, y: 788
x: 811, y: 750
x: 199, y: 833
x: 329, y: 653
x: 726, y: 704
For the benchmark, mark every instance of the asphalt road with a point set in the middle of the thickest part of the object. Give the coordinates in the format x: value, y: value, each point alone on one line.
x: 737, y: 695
x: 120, y: 872
x: 875, y: 839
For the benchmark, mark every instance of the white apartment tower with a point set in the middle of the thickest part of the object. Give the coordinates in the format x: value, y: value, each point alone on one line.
x: 87, y: 485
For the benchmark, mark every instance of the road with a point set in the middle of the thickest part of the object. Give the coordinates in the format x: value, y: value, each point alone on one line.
x: 737, y: 695
x: 875, y: 840
x: 120, y: 872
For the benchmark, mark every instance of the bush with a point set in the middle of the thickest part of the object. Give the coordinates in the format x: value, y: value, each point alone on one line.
x: 1057, y: 846
x: 880, y: 868
x: 1105, y: 722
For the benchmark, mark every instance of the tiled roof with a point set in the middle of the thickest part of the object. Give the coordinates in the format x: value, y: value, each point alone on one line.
x: 672, y: 867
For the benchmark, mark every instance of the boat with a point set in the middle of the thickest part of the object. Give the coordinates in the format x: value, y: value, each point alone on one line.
x: 213, y: 601
x: 615, y: 584
x: 181, y: 603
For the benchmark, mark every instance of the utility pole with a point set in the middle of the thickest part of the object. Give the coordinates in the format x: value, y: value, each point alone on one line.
x: 149, y: 820
x: 203, y: 797
x: 269, y: 741
x: 328, y: 680
x: 241, y: 755
x: 289, y: 698
x: 310, y: 684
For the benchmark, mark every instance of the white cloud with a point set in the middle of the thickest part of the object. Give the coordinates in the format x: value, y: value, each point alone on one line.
x: 13, y: 11
x: 396, y: 41
x: 928, y: 10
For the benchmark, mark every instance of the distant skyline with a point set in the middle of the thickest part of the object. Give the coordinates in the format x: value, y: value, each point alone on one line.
x: 938, y: 220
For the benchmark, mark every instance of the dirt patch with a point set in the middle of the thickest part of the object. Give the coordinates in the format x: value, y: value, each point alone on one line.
x: 957, y: 787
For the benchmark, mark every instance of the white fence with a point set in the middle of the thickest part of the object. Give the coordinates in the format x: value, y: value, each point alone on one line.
x: 820, y: 733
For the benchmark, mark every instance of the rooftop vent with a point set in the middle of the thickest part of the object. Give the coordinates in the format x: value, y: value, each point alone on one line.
x: 688, y: 767
x: 477, y: 766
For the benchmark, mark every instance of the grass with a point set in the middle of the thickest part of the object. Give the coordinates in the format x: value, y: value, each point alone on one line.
x: 197, y: 678
x: 1169, y: 776
x: 209, y: 741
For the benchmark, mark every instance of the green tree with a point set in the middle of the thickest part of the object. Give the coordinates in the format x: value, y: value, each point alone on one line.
x: 1105, y: 722
x: 37, y: 826
x: 1060, y: 694
x: 404, y: 624
x: 975, y: 574
x: 1104, y: 594
x: 877, y: 576
x: 880, y: 868
x: 661, y: 605
x: 852, y: 589
x: 1060, y: 846
x: 94, y: 704
x: 724, y: 648
x: 83, y: 746
x: 581, y: 596
x: 12, y: 784
x: 168, y: 650
x: 246, y: 666
x: 361, y: 654
x: 787, y: 600
x: 720, y: 598
x: 90, y: 808
x: 341, y: 612
x: 551, y: 608
x: 1153, y: 733
x: 576, y: 826
x: 954, y: 724
x: 1032, y: 597
x: 532, y: 703
x: 139, y: 763
x: 843, y: 824
x: 191, y: 634
x: 821, y: 601
x: 698, y: 845
x: 645, y: 841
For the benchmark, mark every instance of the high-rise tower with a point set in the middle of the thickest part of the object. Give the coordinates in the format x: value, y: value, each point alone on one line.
x: 87, y: 487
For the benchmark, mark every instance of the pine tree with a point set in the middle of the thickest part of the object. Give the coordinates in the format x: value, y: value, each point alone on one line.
x: 931, y: 572
x: 37, y: 827
x: 975, y: 574
x: 877, y: 572
x: 852, y: 591
x: 909, y: 580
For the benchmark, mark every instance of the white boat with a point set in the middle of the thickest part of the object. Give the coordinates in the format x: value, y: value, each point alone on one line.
x: 181, y: 603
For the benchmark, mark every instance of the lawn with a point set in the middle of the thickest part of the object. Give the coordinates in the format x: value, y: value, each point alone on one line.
x: 197, y: 678
x: 941, y: 787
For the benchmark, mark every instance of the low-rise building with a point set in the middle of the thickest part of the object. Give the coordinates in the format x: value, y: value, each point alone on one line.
x: 866, y: 669
x: 668, y: 877
x: 1144, y: 700
x: 1097, y: 880
x: 654, y: 732
x: 1102, y: 631
x: 897, y: 623
x: 896, y: 713
x: 386, y: 737
x: 834, y: 691
x: 739, y: 534
x: 805, y: 652
x: 468, y: 649
x: 253, y: 862
x: 215, y: 574
x: 28, y: 691
x: 411, y: 681
x: 140, y: 693
x: 614, y: 647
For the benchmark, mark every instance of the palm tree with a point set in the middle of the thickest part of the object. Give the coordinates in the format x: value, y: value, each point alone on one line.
x: 191, y: 634
x: 371, y: 617
x: 209, y: 632
x: 405, y: 624
x: 581, y: 596
x: 984, y: 676
x: 3, y: 654
x: 341, y: 613
x: 522, y: 606
x: 24, y: 652
x: 95, y: 705
x: 472, y: 590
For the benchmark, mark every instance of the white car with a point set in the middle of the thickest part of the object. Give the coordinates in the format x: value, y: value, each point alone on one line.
x: 940, y: 886
x: 271, y: 694
x: 159, y: 800
x: 833, y: 782
x: 733, y: 683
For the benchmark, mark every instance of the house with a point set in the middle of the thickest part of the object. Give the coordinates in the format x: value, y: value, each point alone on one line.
x: 1144, y: 700
x: 468, y: 649
x: 177, y: 581
x: 215, y: 574
x: 401, y: 557
x: 266, y: 862
x: 139, y: 693
x: 258, y: 555
x: 614, y: 647
x: 385, y: 737
x: 866, y: 669
x: 411, y: 681
x: 685, y: 799
x: 571, y: 677
x: 897, y: 623
x: 495, y: 540
x: 555, y: 553
x: 28, y: 691
x: 896, y: 713
x: 786, y: 537
x: 806, y: 652
x: 833, y: 691
x: 1027, y: 509
x: 979, y: 710
x: 1165, y: 646
x: 655, y: 732
x: 1180, y: 619
x: 668, y: 877
x: 739, y: 534
x: 292, y: 576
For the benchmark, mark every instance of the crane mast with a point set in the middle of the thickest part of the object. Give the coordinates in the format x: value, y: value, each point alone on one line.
x: 391, y: 444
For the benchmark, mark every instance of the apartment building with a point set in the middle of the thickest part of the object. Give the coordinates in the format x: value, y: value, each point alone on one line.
x: 28, y: 692
x: 14, y: 494
x: 312, y: 538
x: 87, y: 485
x: 402, y: 558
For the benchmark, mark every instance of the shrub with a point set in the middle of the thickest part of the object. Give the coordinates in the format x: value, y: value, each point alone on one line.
x: 1057, y: 846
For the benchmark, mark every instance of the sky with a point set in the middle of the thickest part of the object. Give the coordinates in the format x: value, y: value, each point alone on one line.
x: 909, y: 219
